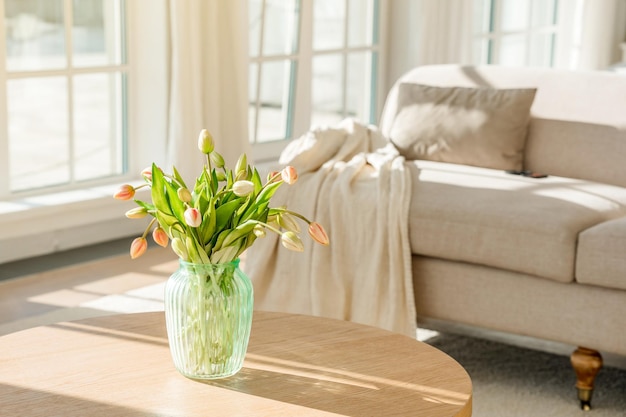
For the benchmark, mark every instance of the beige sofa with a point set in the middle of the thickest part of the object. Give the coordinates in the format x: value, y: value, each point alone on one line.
x: 540, y: 257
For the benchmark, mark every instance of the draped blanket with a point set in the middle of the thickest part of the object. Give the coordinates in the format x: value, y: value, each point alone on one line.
x: 353, y: 182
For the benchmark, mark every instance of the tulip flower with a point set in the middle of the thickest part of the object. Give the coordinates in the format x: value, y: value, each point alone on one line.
x: 288, y: 222
x: 138, y: 247
x: 125, y: 192
x: 259, y: 231
x: 242, y: 167
x: 216, y: 159
x: 318, y: 234
x: 184, y: 195
x: 137, y: 213
x: 243, y: 188
x: 291, y: 241
x: 289, y: 174
x: 179, y: 248
x: 147, y: 174
x: 160, y: 237
x: 193, y: 217
x: 205, y: 142
x: 273, y: 176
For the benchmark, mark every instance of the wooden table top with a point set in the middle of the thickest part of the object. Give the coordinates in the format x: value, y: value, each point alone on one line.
x: 296, y: 366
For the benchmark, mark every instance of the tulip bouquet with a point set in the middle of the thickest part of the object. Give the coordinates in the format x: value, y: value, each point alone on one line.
x: 221, y: 216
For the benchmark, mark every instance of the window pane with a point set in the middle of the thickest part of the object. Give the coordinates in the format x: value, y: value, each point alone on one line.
x: 328, y: 24
x: 327, y: 90
x: 97, y: 32
x: 255, y: 8
x: 35, y: 37
x: 358, y: 86
x: 38, y: 132
x: 361, y: 22
x: 281, y: 27
x: 513, y: 50
x: 482, y: 16
x: 275, y: 100
x: 98, y: 125
x: 543, y: 12
x: 541, y: 49
x: 514, y: 15
x: 480, y: 53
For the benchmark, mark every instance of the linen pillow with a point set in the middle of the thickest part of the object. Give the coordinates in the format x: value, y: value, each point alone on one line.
x: 483, y: 127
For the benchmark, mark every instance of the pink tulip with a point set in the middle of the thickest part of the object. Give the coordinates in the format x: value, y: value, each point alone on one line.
x: 289, y: 174
x: 273, y: 176
x: 138, y: 247
x: 318, y: 234
x: 160, y: 237
x: 291, y: 241
x: 193, y: 217
x: 147, y: 174
x: 125, y: 192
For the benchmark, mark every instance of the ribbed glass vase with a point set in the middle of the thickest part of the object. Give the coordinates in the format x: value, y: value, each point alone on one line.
x: 208, y: 313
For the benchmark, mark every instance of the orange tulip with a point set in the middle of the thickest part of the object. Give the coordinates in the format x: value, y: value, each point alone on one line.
x: 138, y: 247
x: 289, y: 174
x: 160, y: 237
x: 125, y: 192
x: 318, y: 234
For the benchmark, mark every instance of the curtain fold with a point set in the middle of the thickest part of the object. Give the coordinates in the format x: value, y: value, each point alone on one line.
x: 208, y: 80
x: 601, y: 30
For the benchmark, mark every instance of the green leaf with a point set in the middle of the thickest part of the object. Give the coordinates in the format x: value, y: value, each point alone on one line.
x: 267, y: 193
x: 176, y: 205
x: 208, y: 225
x: 238, y: 232
x: 256, y: 180
x: 224, y: 213
x: 178, y: 177
x: 147, y: 206
x: 158, y: 191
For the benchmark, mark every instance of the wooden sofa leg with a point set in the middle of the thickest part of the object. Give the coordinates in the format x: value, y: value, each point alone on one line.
x: 586, y: 364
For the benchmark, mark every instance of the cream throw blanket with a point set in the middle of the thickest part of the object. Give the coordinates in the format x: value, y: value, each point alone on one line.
x: 353, y: 182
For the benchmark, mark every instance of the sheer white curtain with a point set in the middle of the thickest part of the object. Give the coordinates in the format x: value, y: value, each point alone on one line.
x: 208, y: 80
x: 591, y: 32
x: 426, y: 32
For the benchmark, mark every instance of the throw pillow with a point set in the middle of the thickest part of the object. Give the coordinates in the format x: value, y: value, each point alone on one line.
x: 483, y: 127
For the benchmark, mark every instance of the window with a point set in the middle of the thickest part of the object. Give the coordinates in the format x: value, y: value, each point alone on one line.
x: 64, y: 106
x: 515, y: 32
x: 312, y: 62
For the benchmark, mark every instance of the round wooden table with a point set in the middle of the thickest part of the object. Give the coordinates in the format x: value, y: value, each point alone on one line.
x: 296, y: 366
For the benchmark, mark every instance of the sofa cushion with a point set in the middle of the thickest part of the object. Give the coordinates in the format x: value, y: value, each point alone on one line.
x: 601, y: 256
x: 483, y: 127
x: 491, y: 218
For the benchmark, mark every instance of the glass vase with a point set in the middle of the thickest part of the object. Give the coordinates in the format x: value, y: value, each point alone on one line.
x: 208, y: 314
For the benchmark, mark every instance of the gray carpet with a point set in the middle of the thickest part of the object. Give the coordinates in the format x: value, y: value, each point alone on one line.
x: 513, y: 381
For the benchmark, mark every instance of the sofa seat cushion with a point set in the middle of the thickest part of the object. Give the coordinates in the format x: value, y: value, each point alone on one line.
x: 488, y: 217
x: 601, y: 257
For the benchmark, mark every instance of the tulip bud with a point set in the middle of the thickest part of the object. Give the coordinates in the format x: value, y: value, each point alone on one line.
x: 205, y: 142
x: 125, y: 192
x: 259, y: 231
x: 193, y: 217
x: 137, y: 213
x: 243, y: 188
x: 138, y: 247
x: 160, y: 237
x: 273, y: 176
x: 147, y: 174
x: 216, y: 159
x: 287, y: 221
x: 242, y: 164
x: 184, y: 195
x: 179, y: 248
x: 291, y: 241
x: 289, y: 175
x: 317, y: 232
x: 220, y: 176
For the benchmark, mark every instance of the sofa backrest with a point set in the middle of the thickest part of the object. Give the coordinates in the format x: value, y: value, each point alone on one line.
x: 578, y: 119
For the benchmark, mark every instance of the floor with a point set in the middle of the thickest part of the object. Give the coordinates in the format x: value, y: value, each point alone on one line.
x: 84, y: 283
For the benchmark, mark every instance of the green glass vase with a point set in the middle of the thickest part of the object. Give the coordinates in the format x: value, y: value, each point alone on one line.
x: 208, y: 314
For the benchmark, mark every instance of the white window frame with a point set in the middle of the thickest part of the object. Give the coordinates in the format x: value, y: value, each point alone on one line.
x: 495, y: 34
x: 36, y: 223
x: 302, y: 103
